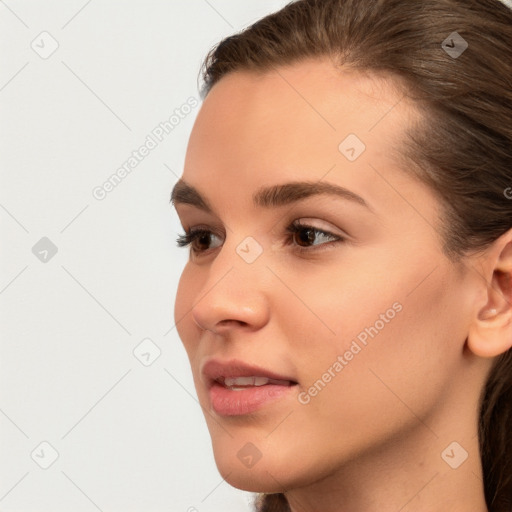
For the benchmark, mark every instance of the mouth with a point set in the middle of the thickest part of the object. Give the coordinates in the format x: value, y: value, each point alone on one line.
x: 236, y: 388
x: 241, y: 383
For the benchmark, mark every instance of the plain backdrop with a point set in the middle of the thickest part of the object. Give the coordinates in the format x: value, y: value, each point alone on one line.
x: 97, y: 405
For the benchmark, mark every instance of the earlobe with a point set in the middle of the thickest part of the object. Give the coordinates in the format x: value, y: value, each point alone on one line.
x: 490, y: 333
x: 488, y: 314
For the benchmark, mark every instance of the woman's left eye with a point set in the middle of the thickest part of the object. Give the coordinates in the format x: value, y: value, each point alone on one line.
x: 304, y: 235
x: 308, y: 234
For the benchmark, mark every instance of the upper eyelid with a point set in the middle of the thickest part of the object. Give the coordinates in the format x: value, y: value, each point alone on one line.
x: 296, y: 223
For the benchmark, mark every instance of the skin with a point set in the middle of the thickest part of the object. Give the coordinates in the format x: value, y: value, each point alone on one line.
x: 372, y: 439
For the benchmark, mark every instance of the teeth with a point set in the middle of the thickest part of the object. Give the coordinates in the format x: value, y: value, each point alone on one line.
x: 231, y: 382
x: 261, y: 381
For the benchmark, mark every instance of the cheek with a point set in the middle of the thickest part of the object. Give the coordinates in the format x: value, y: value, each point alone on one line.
x: 406, y: 346
x: 337, y: 307
x: 184, y: 301
x: 374, y: 335
x: 384, y: 385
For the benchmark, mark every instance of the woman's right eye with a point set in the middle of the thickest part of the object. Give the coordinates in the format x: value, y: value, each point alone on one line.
x: 195, y: 236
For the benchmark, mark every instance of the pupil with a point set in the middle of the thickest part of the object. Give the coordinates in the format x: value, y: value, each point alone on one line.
x: 309, y: 238
x: 203, y: 239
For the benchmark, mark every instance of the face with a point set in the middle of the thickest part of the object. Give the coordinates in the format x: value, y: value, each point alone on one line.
x: 310, y: 317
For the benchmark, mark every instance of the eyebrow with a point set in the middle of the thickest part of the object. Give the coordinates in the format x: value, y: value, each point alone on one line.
x: 269, y: 197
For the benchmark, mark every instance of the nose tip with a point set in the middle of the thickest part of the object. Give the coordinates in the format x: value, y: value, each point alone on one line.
x: 233, y: 303
x: 233, y: 295
x: 222, y: 315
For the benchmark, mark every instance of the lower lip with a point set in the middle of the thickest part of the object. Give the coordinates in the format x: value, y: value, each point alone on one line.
x: 227, y: 402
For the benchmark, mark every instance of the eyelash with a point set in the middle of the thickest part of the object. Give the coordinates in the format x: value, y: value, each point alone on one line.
x: 190, y: 237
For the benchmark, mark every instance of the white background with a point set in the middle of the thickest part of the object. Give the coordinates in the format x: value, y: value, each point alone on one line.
x: 130, y: 437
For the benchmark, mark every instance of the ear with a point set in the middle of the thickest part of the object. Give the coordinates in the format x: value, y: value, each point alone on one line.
x: 490, y: 332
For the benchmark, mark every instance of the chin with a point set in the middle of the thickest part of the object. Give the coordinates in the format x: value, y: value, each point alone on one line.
x: 253, y: 480
x: 269, y: 474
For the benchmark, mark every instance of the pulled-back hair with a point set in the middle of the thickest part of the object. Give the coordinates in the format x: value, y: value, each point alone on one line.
x: 462, y: 148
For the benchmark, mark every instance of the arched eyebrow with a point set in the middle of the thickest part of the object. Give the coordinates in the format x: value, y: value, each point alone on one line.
x: 272, y: 196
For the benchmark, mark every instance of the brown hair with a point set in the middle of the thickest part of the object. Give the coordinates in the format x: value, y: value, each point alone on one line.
x: 462, y: 147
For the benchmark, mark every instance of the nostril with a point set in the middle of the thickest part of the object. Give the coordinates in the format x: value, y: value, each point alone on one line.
x: 231, y: 323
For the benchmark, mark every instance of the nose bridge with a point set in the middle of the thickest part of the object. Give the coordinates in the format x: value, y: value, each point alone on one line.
x: 240, y: 265
x: 236, y: 287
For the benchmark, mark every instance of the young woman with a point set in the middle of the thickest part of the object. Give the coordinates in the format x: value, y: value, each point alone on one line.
x: 347, y: 304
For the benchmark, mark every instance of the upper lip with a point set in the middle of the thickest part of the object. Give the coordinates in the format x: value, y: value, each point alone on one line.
x: 215, y: 370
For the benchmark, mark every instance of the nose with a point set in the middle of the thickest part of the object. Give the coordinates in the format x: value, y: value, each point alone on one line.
x: 234, y: 296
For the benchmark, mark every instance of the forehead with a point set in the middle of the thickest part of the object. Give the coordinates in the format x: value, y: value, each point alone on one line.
x: 315, y: 89
x: 289, y: 123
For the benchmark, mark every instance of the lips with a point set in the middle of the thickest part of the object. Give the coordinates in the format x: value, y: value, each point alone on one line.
x: 237, y: 373
x: 239, y: 383
x: 236, y: 388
